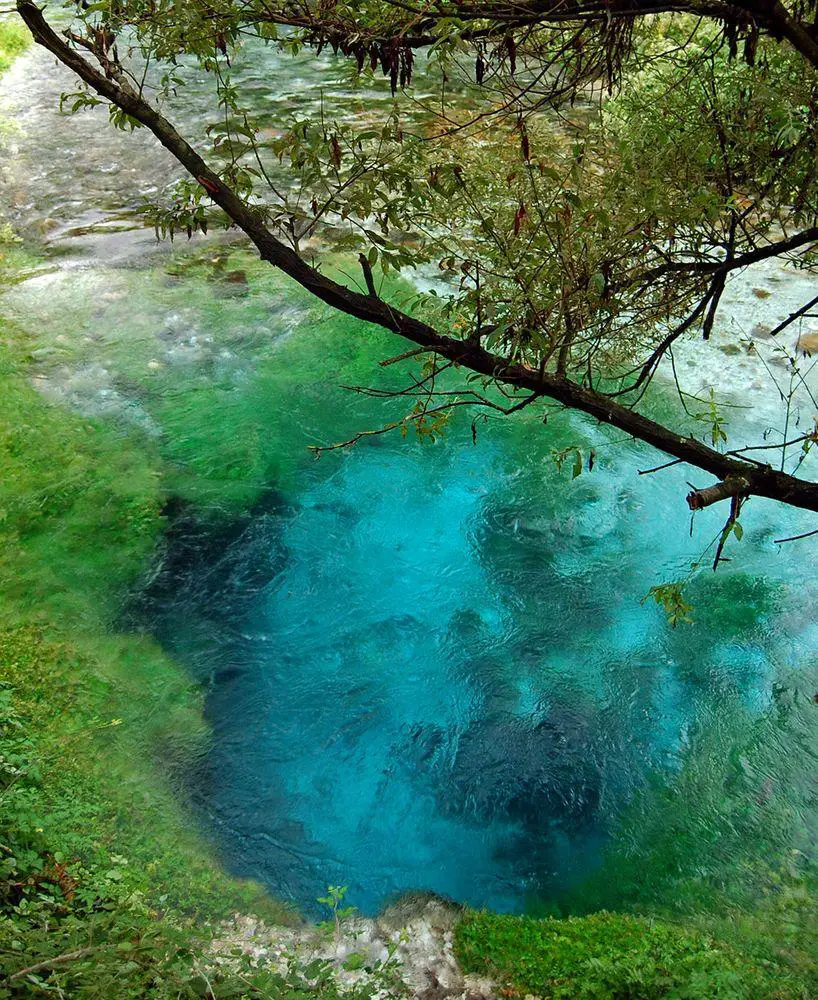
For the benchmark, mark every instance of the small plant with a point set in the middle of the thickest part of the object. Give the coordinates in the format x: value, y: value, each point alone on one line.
x: 715, y: 421
x: 333, y: 899
x: 573, y: 456
x: 671, y: 597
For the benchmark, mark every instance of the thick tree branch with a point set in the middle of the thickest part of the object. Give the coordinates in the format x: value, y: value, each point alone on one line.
x: 494, y: 20
x: 732, y: 486
x: 762, y: 481
x: 797, y: 241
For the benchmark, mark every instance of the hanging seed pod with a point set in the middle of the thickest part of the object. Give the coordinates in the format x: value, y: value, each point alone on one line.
x: 750, y: 46
x: 525, y: 145
x: 731, y: 34
x: 479, y: 68
x: 520, y: 214
x: 335, y: 152
x: 511, y: 48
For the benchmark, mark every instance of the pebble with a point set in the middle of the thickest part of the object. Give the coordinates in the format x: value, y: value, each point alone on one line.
x: 236, y: 277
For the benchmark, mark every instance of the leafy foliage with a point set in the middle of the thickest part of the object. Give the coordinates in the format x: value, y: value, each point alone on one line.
x: 671, y: 597
x: 14, y: 40
x: 609, y: 956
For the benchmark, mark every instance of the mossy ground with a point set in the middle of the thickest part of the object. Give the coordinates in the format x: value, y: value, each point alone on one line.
x: 609, y: 955
x: 96, y: 843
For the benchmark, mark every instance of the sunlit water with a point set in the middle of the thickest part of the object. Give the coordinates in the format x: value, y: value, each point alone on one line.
x: 427, y: 666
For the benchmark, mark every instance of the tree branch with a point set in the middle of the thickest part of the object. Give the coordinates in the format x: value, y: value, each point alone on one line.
x: 762, y: 481
x: 732, y: 486
x: 49, y: 963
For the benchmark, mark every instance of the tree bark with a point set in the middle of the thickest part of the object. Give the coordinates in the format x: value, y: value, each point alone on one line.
x: 732, y: 486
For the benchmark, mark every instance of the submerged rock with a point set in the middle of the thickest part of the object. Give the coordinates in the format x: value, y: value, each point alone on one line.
x: 236, y: 277
x: 808, y: 343
x: 537, y: 774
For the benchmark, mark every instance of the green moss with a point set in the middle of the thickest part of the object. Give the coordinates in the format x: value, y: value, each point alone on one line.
x: 609, y: 956
x: 79, y: 509
x: 110, y: 720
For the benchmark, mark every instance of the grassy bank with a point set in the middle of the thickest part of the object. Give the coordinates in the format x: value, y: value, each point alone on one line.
x: 609, y: 955
x: 97, y: 850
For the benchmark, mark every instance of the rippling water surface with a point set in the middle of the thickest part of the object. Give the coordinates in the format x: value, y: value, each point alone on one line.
x: 427, y: 666
x: 432, y: 669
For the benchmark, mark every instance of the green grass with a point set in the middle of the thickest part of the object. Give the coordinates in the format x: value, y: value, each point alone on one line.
x: 14, y: 40
x: 610, y: 956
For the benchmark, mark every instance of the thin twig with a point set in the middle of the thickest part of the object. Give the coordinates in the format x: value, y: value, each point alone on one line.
x: 49, y: 963
x: 658, y: 468
x: 794, y: 538
x: 405, y: 356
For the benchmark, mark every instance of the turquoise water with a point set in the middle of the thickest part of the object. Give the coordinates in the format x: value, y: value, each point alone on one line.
x: 430, y: 668
x: 426, y: 666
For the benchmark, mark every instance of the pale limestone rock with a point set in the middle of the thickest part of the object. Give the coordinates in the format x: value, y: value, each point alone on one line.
x: 418, y: 930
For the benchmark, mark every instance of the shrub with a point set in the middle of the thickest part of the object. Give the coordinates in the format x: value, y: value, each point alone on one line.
x: 14, y: 39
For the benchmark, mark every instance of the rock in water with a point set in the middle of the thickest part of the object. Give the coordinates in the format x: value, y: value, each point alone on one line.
x: 808, y: 343
x: 236, y: 277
